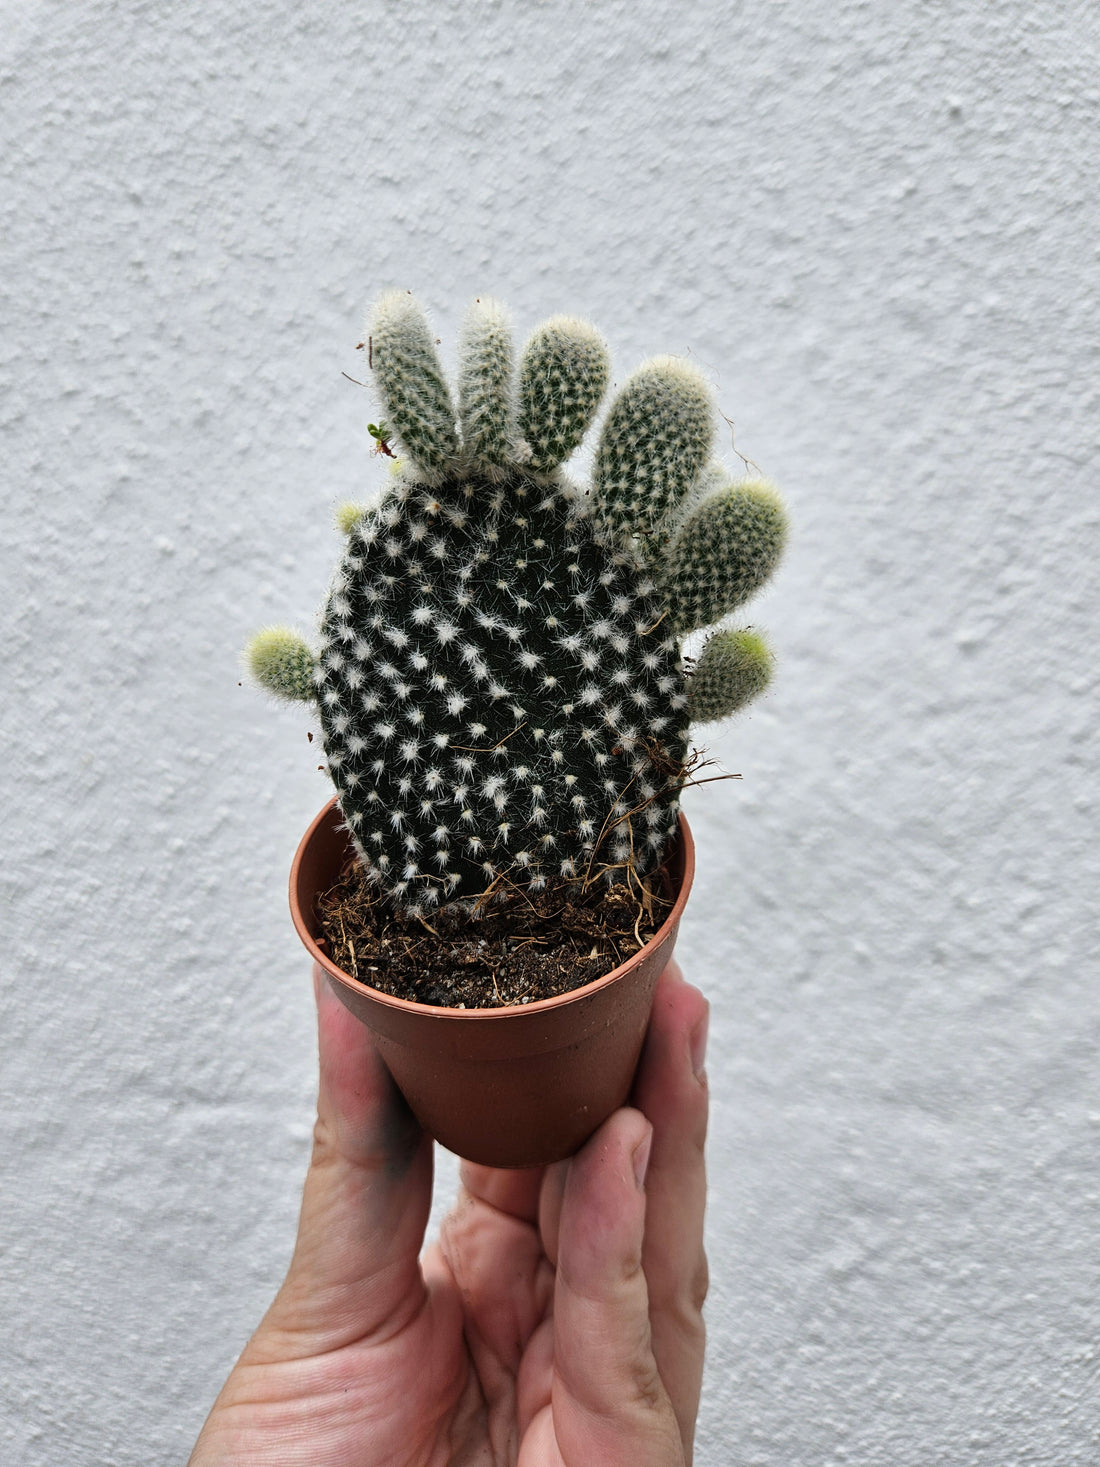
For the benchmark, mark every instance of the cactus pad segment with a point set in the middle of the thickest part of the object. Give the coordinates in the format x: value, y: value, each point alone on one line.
x: 414, y: 390
x: 654, y: 445
x: 282, y: 662
x: 485, y: 383
x: 563, y: 376
x: 723, y: 553
x: 734, y: 668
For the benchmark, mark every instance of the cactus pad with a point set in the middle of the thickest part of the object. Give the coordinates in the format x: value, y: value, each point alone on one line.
x: 499, y: 676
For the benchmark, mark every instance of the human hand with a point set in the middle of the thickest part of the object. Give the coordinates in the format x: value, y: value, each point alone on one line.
x: 558, y: 1321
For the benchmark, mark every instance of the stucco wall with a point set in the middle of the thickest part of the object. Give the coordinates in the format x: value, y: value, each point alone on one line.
x: 876, y: 227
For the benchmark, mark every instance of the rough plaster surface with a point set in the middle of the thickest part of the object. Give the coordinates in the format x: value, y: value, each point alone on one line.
x: 876, y: 226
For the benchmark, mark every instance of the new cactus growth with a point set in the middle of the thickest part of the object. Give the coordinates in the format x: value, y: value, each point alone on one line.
x: 499, y: 675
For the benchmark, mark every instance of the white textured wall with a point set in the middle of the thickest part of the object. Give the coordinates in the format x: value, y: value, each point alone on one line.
x: 876, y: 225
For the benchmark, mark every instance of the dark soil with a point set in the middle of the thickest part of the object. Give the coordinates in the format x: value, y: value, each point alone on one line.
x: 518, y: 948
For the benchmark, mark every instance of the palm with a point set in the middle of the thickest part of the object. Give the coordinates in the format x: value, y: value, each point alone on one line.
x: 511, y: 1341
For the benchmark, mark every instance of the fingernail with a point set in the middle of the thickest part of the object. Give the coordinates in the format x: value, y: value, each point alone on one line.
x: 699, y: 1045
x: 641, y: 1160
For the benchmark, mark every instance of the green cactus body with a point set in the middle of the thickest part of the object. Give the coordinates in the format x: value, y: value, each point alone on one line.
x: 499, y: 676
x: 489, y: 681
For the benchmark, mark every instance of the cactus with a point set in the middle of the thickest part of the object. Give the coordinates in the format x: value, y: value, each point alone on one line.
x: 499, y: 677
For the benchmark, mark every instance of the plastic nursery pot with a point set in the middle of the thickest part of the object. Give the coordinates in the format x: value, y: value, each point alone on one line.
x: 508, y: 1087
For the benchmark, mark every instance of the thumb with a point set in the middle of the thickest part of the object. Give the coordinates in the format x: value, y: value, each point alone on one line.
x: 609, y: 1402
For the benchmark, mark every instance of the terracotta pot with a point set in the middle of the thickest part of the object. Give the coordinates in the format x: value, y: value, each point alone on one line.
x: 508, y: 1087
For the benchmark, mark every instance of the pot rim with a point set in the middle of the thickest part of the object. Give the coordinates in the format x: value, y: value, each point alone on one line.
x: 504, y: 1011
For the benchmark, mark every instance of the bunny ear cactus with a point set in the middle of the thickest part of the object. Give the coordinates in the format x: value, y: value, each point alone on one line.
x: 499, y: 676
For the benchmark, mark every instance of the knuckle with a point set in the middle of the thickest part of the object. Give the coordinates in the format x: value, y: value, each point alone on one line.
x: 699, y: 1285
x: 646, y: 1389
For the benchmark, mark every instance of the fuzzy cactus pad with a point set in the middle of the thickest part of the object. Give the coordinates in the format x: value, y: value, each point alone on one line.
x: 491, y: 683
x: 499, y: 678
